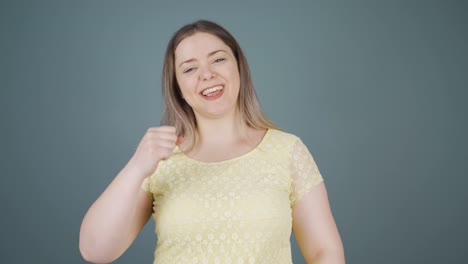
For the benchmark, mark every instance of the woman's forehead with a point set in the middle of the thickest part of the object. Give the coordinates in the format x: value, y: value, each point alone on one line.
x: 198, y: 46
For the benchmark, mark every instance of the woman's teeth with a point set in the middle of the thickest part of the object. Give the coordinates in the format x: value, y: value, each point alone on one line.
x: 211, y: 90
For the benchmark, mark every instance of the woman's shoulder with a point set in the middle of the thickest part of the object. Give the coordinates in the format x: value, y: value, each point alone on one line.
x: 282, y: 136
x: 281, y: 140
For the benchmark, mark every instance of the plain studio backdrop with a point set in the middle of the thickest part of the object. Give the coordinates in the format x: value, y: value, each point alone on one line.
x: 376, y: 89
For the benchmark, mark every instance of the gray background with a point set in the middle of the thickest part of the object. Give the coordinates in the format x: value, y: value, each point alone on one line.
x: 376, y: 89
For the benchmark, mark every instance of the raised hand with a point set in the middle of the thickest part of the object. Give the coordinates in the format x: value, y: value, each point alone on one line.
x: 157, y: 144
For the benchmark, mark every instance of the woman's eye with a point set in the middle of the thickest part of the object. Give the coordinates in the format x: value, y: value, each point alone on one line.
x: 189, y: 70
x: 219, y: 60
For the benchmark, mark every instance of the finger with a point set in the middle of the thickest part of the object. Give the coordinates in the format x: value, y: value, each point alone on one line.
x: 165, y: 136
x: 164, y: 153
x: 166, y: 128
x: 166, y: 144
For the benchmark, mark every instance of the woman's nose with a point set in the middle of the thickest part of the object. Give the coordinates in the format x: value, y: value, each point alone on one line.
x: 206, y: 74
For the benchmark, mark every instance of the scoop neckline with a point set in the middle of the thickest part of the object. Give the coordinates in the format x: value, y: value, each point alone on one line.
x: 250, y: 152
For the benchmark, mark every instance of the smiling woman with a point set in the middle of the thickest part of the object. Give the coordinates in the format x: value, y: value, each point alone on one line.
x: 200, y: 50
x: 209, y: 80
x: 224, y: 185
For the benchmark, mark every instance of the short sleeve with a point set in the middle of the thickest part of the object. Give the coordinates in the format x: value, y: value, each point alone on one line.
x: 304, y: 172
x: 146, y: 187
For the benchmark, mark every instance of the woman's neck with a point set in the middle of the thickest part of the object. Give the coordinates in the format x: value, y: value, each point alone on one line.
x: 222, y: 138
x: 221, y: 130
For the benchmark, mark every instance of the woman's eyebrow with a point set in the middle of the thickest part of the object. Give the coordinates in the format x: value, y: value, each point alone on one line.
x: 209, y: 54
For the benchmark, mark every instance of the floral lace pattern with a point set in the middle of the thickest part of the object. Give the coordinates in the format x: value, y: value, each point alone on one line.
x: 233, y: 211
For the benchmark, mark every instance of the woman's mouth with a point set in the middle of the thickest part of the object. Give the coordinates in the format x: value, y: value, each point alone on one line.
x: 212, y: 93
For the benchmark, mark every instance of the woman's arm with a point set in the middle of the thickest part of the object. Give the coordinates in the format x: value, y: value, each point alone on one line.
x: 315, y: 229
x: 115, y: 218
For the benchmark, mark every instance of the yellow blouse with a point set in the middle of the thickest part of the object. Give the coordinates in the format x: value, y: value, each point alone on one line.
x: 233, y: 211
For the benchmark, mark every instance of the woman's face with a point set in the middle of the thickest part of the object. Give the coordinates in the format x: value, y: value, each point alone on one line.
x: 207, y: 74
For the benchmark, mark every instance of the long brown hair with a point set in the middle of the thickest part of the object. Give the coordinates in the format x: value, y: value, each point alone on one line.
x: 178, y: 113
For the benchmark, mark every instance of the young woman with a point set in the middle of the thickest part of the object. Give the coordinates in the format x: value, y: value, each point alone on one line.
x: 224, y: 185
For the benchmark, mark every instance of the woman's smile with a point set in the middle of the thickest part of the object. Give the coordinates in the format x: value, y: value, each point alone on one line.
x: 212, y: 93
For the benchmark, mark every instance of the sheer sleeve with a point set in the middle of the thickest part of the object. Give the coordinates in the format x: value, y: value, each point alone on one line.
x: 304, y: 172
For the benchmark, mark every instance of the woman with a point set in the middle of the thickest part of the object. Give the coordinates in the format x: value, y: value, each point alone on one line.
x: 224, y: 185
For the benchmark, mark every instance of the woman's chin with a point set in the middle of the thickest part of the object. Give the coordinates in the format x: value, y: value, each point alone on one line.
x: 217, y: 112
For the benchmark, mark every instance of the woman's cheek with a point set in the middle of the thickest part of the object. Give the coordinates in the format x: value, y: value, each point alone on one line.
x: 188, y: 85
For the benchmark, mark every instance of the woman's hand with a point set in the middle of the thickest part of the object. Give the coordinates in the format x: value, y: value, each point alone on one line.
x: 114, y: 220
x: 157, y: 144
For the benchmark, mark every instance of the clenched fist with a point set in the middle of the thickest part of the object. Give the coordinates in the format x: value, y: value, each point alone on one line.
x: 157, y: 144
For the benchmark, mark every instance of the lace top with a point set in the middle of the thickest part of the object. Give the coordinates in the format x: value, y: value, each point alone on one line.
x: 233, y: 211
